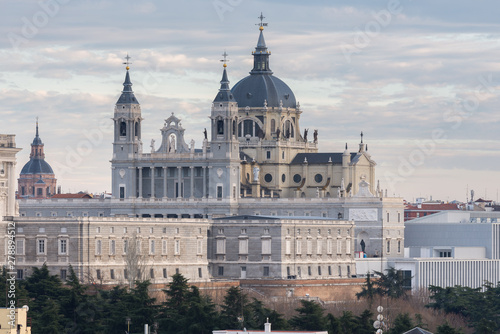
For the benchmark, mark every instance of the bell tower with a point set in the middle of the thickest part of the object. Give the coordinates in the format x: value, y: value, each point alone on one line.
x: 224, y: 143
x: 127, y: 139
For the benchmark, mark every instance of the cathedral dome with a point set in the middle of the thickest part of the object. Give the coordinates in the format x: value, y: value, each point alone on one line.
x: 261, y: 86
x: 255, y: 88
x: 37, y: 166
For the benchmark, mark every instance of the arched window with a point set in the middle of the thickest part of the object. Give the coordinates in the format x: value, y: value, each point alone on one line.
x: 288, y: 131
x: 136, y: 129
x: 220, y: 127
x: 123, y: 129
x: 273, y: 126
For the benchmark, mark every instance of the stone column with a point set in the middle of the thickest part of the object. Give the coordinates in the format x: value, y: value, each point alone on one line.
x: 191, y: 170
x: 179, y: 180
x: 140, y: 182
x: 152, y: 169
x: 204, y: 191
x: 165, y: 170
x: 11, y: 196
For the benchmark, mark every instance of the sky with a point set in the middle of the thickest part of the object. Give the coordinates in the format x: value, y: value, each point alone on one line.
x: 421, y: 79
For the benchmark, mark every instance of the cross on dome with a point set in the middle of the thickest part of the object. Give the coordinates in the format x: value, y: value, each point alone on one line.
x: 261, y: 24
x: 127, y: 61
x: 225, y: 60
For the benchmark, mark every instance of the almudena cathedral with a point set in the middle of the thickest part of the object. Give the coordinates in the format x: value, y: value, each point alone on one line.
x: 256, y: 200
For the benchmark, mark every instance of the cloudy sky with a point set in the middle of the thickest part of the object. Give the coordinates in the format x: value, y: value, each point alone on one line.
x: 421, y: 79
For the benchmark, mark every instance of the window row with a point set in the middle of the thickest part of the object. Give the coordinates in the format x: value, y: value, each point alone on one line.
x: 41, y: 246
x: 151, y: 273
x: 320, y: 244
x: 129, y: 247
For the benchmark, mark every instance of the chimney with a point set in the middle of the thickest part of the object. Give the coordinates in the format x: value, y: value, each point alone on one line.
x: 267, y: 326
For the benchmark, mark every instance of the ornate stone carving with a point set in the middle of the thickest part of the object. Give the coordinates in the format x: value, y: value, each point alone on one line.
x: 363, y: 214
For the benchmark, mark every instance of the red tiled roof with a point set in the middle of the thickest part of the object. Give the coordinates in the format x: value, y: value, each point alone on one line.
x: 433, y: 207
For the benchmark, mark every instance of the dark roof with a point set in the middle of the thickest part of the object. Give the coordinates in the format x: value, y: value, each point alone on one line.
x: 417, y: 330
x: 259, y: 217
x: 37, y: 166
x: 224, y: 94
x: 40, y: 181
x: 127, y: 92
x: 255, y: 88
x: 79, y: 195
x: 319, y: 158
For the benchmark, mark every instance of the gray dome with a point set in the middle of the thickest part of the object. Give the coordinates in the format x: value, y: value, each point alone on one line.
x: 255, y: 88
x: 37, y: 166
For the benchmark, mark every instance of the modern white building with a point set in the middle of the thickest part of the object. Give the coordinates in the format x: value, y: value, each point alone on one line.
x: 447, y: 249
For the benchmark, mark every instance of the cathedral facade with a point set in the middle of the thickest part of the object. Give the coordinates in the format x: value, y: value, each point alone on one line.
x: 319, y: 209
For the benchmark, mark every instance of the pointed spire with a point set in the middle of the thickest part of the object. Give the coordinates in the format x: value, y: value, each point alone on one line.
x: 127, y: 96
x: 261, y: 54
x: 224, y: 90
x: 37, y: 140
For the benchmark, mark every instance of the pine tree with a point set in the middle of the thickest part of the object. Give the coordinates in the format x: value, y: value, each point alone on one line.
x: 235, y: 311
x: 310, y: 317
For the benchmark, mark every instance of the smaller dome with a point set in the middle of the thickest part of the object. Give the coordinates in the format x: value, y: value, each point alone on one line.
x: 36, y: 166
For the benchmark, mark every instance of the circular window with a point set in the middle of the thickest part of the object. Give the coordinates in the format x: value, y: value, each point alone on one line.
x: 268, y: 178
x: 283, y: 178
x: 318, y: 178
x: 297, y: 178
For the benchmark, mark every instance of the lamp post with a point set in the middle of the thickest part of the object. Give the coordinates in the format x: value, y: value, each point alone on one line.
x: 128, y: 325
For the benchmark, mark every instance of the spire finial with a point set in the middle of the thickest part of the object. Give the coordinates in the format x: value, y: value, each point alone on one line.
x: 261, y: 24
x: 37, y: 126
x: 361, y: 137
x: 225, y: 60
x: 127, y: 61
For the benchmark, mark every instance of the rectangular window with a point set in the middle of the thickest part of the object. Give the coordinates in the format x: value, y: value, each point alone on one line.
x: 19, y: 247
x: 41, y: 246
x: 200, y: 273
x: 112, y: 247
x: 399, y: 246
x: 62, y: 274
x: 388, y: 246
x: 319, y: 270
x: 220, y: 271
x: 125, y: 273
x: 125, y: 246
x: 299, y: 246
x: 177, y: 247
x: 124, y: 230
x: 329, y: 246
x: 340, y: 271
x: 288, y: 247
x: 151, y: 247
x: 20, y: 274
x: 63, y: 247
x: 98, y: 247
x: 309, y: 244
x: 219, y: 192
x: 399, y: 217
x: 268, y: 154
x: 339, y: 246
x: 288, y: 272
x: 266, y: 246
x: 221, y: 246
x: 112, y: 273
x: 387, y: 216
x: 164, y: 247
x: 98, y: 273
x: 199, y: 246
x: 348, y: 246
x: 97, y: 230
x: 309, y: 270
x: 319, y: 246
x: 266, y: 272
x: 165, y: 273
x: 122, y: 192
x: 329, y: 270
x: 348, y: 271
x: 152, y: 273
x: 243, y: 246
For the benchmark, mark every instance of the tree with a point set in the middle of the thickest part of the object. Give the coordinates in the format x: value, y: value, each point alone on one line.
x: 402, y: 323
x: 176, y: 306
x: 348, y: 323
x: 134, y: 260
x: 447, y: 329
x: 235, y: 311
x: 369, y: 291
x: 201, y: 317
x: 364, y: 323
x: 392, y: 284
x: 310, y: 317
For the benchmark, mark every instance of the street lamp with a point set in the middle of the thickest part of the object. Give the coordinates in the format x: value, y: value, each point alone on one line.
x: 128, y: 325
